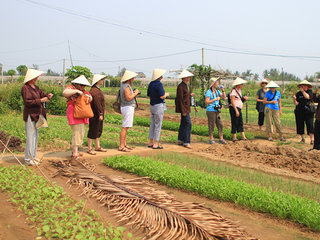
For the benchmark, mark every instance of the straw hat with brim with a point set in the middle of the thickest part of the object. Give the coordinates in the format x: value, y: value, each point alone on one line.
x: 128, y: 75
x: 305, y: 82
x: 32, y: 74
x: 81, y: 80
x: 185, y: 73
x: 238, y: 81
x: 213, y: 80
x: 264, y: 81
x: 97, y: 78
x: 272, y: 84
x: 157, y: 73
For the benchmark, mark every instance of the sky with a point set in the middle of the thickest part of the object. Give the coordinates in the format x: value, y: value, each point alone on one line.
x: 140, y: 35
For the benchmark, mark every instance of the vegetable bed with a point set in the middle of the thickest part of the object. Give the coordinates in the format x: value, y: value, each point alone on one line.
x: 54, y: 214
x: 283, y: 205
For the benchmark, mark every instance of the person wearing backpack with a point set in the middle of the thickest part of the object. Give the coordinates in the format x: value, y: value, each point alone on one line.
x: 272, y: 100
x: 236, y: 101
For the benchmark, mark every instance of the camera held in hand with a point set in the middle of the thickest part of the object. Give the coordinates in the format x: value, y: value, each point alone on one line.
x: 218, y: 107
x: 138, y: 91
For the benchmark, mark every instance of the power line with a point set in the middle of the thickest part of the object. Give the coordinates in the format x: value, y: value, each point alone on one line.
x: 32, y: 49
x: 140, y: 59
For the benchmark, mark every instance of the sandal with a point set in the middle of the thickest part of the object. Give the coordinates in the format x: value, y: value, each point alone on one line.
x: 100, y: 149
x: 130, y: 148
x: 187, y: 146
x: 150, y: 146
x: 159, y: 147
x: 91, y: 152
x: 75, y: 157
x: 124, y: 149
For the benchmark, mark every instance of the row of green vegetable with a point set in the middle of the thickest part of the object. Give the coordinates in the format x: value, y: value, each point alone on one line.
x: 201, y: 130
x: 51, y: 211
x: 273, y: 182
x: 277, y: 203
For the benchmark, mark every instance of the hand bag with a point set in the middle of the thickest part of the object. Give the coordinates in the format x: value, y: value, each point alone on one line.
x: 82, y: 108
x: 42, y: 122
x: 117, y: 105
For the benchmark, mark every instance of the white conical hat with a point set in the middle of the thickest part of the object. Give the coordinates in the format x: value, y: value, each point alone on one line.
x: 32, y: 74
x: 185, y: 73
x: 238, y: 81
x: 272, y: 84
x: 128, y: 75
x: 81, y: 80
x: 157, y: 73
x: 97, y: 78
x: 305, y: 82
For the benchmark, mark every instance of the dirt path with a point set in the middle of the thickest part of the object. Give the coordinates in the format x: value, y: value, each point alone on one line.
x: 13, y: 227
x: 258, y: 225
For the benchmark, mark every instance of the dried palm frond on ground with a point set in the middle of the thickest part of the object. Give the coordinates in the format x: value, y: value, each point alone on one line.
x: 141, y: 206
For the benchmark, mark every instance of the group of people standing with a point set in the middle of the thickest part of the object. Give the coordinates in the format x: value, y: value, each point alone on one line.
x: 268, y: 105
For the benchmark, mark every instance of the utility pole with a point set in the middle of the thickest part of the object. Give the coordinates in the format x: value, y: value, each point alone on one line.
x: 202, y: 56
x: 64, y: 72
x: 1, y: 73
x: 70, y: 54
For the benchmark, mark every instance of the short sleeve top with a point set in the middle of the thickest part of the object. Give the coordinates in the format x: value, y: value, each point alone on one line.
x: 155, y: 91
x: 269, y: 95
x: 302, y: 101
x: 212, y: 95
x: 237, y: 93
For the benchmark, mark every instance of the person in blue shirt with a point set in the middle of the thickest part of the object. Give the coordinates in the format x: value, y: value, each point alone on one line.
x: 272, y: 101
x: 213, y: 96
x: 157, y: 95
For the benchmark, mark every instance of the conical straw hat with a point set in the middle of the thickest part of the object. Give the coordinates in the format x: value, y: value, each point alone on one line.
x: 81, y: 80
x: 185, y: 74
x: 97, y: 78
x: 272, y: 84
x: 32, y: 74
x: 157, y: 73
x: 213, y: 80
x: 128, y: 75
x: 305, y: 82
x: 238, y: 81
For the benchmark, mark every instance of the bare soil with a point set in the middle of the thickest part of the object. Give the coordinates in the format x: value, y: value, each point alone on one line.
x: 291, y: 159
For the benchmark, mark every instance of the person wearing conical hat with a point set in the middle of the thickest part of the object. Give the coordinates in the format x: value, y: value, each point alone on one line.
x: 98, y: 104
x: 272, y: 102
x: 183, y: 100
x: 71, y: 93
x: 304, y: 111
x: 235, y: 107
x: 127, y: 101
x: 33, y: 99
x: 259, y: 98
x: 316, y: 99
x: 157, y: 96
x: 212, y: 100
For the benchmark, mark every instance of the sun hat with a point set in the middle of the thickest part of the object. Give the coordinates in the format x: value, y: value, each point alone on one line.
x: 264, y: 81
x: 185, y: 73
x: 128, y: 75
x: 305, y: 82
x: 97, y: 78
x: 213, y: 80
x: 272, y: 84
x: 32, y: 74
x: 238, y: 81
x: 81, y: 80
x: 157, y: 73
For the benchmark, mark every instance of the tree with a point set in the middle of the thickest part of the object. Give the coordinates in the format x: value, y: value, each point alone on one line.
x: 52, y: 73
x: 120, y: 74
x: 11, y: 72
x: 256, y: 76
x: 76, y: 71
x: 22, y: 70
